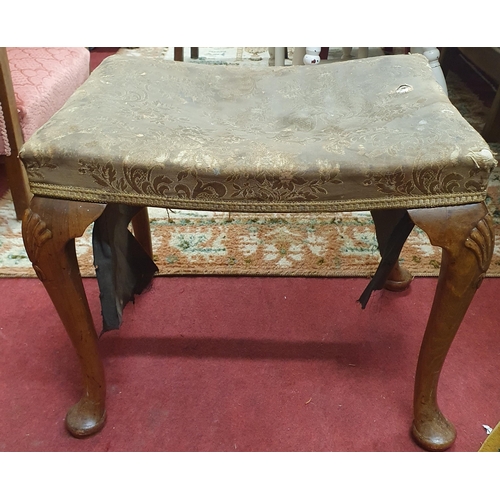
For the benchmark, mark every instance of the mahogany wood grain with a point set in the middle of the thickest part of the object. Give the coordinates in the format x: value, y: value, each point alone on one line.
x: 142, y: 230
x: 179, y: 53
x: 465, y: 233
x: 49, y: 230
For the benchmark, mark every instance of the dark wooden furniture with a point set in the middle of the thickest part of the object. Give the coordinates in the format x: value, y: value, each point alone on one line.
x: 487, y: 60
x: 179, y: 53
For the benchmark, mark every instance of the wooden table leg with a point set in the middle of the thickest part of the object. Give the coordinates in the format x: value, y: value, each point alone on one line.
x: 142, y: 230
x: 49, y: 230
x: 385, y: 220
x: 465, y: 234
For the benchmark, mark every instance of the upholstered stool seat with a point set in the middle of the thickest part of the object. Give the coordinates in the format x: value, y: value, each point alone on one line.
x: 374, y: 134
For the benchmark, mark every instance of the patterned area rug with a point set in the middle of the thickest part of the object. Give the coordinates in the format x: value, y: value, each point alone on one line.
x: 336, y: 244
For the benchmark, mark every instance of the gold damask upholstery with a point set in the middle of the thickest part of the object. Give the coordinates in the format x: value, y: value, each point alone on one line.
x: 357, y: 135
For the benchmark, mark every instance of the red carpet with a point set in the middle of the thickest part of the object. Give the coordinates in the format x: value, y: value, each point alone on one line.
x: 246, y: 364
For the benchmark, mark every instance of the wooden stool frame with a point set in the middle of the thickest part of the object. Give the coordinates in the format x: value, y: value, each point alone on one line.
x: 464, y: 233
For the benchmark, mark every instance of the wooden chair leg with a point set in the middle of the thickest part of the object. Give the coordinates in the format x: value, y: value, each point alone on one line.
x: 142, y: 230
x: 465, y: 234
x: 18, y: 184
x: 400, y: 278
x: 179, y: 54
x: 49, y: 230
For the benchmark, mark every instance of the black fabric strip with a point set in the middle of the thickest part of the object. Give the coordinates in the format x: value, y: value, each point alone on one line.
x: 123, y: 268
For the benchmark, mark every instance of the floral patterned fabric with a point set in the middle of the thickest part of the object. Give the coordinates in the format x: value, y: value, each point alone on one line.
x: 355, y: 135
x: 43, y: 78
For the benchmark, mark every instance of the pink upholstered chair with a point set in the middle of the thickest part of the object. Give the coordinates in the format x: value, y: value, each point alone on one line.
x: 34, y: 83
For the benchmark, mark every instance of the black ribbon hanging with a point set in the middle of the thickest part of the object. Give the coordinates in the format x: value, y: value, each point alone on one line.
x: 123, y: 268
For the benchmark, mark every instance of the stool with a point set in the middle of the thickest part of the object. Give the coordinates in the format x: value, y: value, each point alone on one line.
x: 375, y: 134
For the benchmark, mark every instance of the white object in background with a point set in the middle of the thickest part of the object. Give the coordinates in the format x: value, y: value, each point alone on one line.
x: 488, y: 429
x: 432, y: 54
x: 312, y: 55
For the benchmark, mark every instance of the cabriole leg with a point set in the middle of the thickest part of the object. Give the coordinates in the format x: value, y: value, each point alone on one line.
x: 142, y: 230
x: 465, y: 234
x: 49, y: 230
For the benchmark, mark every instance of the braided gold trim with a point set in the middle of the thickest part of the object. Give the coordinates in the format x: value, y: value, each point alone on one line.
x: 408, y: 202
